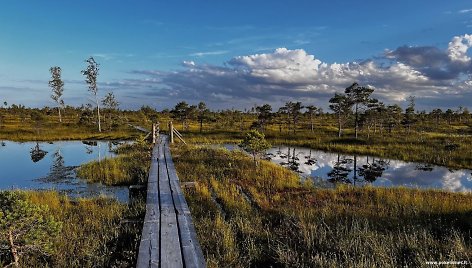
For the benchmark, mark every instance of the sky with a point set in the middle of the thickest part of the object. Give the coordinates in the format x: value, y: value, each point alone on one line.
x: 237, y: 54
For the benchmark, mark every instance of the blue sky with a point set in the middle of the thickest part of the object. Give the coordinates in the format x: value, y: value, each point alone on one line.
x: 237, y: 53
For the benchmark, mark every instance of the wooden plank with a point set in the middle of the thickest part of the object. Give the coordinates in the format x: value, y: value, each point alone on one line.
x: 192, y: 254
x: 191, y: 250
x: 147, y: 257
x: 171, y: 255
x: 144, y: 255
x: 154, y: 245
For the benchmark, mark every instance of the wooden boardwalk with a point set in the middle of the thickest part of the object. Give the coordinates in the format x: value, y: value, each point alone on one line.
x: 168, y: 238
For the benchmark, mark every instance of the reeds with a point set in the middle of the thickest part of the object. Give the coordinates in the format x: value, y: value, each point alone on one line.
x: 264, y: 216
x: 130, y: 166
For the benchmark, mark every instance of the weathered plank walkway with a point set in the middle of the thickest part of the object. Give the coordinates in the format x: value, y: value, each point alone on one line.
x: 168, y: 238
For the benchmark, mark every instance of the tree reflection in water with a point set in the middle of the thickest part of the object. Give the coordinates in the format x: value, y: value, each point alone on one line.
x: 340, y: 171
x: 345, y: 169
x: 327, y: 167
x: 293, y: 161
x: 88, y: 149
x: 373, y: 170
x: 310, y: 160
x: 37, y: 154
x: 89, y: 146
x: 58, y: 171
x: 90, y: 143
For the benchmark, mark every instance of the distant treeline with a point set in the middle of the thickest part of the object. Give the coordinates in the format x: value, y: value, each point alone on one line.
x: 355, y: 108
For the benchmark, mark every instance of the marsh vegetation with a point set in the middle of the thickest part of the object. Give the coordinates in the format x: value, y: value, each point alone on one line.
x: 53, y: 165
x: 57, y: 230
x: 265, y: 216
x: 52, y: 230
x: 18, y: 123
x: 261, y: 214
x: 129, y: 167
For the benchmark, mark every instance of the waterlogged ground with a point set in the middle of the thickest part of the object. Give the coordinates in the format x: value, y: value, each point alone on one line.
x: 52, y: 165
x: 326, y: 167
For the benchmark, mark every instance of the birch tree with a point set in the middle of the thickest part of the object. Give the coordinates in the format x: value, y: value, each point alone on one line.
x: 57, y: 86
x: 91, y: 74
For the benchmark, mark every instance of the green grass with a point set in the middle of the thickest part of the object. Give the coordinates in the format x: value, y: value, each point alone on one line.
x: 130, y: 166
x: 91, y: 235
x: 264, y: 216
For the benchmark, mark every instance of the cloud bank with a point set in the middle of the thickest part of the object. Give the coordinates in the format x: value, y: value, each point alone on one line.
x: 437, y: 77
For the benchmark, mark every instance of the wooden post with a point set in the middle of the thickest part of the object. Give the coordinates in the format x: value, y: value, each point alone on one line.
x: 157, y: 131
x: 153, y: 133
x: 171, y: 130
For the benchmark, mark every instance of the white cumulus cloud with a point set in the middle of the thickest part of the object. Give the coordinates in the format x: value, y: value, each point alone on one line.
x: 458, y: 48
x: 434, y: 75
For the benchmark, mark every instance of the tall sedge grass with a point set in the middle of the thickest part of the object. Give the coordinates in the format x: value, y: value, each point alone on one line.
x: 264, y: 216
x: 129, y: 167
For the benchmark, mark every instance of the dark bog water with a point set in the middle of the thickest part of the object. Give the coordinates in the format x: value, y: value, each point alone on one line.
x: 361, y: 170
x: 52, y: 165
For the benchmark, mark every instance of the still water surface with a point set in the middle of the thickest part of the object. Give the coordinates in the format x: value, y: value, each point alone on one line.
x: 52, y: 165
x: 327, y: 168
